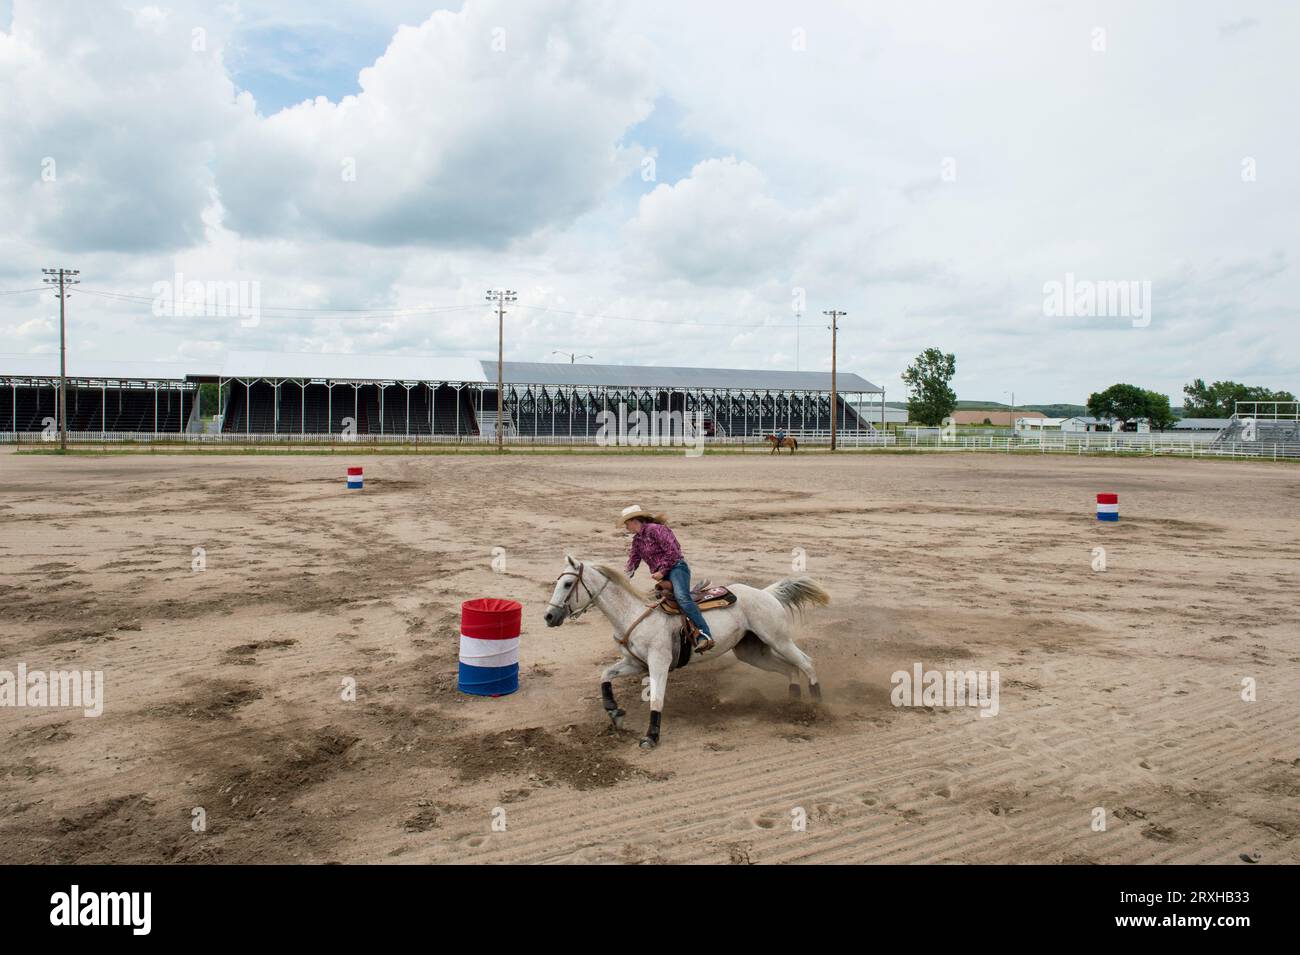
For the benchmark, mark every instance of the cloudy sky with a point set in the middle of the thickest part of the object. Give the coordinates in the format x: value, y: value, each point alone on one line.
x: 665, y: 183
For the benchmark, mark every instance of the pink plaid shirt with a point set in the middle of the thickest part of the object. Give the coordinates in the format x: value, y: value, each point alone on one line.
x: 657, y: 546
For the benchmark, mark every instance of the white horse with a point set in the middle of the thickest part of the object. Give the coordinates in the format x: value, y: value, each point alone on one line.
x: 758, y: 628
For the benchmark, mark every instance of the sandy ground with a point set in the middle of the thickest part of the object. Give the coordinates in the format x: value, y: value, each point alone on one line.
x: 1119, y: 690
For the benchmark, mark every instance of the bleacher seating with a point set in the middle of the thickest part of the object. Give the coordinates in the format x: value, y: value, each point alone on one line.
x: 96, y: 409
x: 760, y: 414
x: 31, y: 407
x: 444, y: 410
x: 1247, y: 434
x: 454, y: 411
x: 250, y: 409
x: 324, y: 411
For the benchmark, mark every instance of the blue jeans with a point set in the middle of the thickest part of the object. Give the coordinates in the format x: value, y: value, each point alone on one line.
x: 679, y: 575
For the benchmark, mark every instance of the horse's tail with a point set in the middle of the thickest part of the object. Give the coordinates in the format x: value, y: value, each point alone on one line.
x: 797, y: 592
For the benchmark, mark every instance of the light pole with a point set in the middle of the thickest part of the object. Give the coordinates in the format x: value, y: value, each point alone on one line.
x: 1013, y: 414
x: 501, y: 297
x: 62, y: 278
x: 834, y: 315
x: 572, y: 355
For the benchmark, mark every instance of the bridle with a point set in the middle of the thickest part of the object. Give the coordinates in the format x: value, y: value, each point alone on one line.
x: 623, y: 641
x: 579, y: 581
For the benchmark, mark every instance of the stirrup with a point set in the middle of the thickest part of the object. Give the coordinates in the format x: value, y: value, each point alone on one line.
x: 703, y: 644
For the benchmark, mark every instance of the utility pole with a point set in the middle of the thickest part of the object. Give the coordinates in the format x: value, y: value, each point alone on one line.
x: 62, y: 278
x: 572, y: 355
x: 798, y: 320
x: 501, y: 297
x: 834, y: 315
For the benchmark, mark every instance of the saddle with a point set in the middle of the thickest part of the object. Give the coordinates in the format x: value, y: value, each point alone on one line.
x: 705, y: 597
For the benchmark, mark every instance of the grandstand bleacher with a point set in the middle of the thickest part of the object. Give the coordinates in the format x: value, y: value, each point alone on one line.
x: 272, y: 394
x: 97, y: 407
x: 1266, y: 426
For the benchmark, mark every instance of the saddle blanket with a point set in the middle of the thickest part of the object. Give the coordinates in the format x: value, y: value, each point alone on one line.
x: 707, y: 598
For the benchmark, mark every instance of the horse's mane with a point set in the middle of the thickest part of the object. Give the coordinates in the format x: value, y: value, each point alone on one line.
x: 616, y: 576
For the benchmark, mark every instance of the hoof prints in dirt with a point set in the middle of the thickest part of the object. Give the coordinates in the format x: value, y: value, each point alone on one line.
x: 715, y: 711
x: 100, y: 832
x: 252, y: 816
x: 583, y: 759
x: 217, y: 700
x: 409, y: 730
x: 243, y: 654
x: 430, y: 815
x: 255, y: 792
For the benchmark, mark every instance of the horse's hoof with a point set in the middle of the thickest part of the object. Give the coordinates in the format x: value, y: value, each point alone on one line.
x: 616, y: 717
x: 815, y: 689
x: 648, y: 742
x: 795, y: 692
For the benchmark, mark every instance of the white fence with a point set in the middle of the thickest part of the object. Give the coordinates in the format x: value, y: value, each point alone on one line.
x: 847, y: 439
x: 919, y: 440
x: 1187, y: 445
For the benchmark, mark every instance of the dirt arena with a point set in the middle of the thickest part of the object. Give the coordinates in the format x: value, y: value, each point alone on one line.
x: 1120, y: 689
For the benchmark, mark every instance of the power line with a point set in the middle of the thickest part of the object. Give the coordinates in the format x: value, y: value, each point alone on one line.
x: 22, y: 291
x: 367, y: 313
x: 104, y: 293
x: 316, y: 311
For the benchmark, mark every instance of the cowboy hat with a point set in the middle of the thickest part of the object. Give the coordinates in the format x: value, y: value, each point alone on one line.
x: 636, y: 511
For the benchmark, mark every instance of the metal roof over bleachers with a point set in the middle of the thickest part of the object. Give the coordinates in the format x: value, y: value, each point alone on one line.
x: 336, y: 366
x: 665, y: 376
x: 276, y: 366
x: 345, y: 367
x: 46, y: 365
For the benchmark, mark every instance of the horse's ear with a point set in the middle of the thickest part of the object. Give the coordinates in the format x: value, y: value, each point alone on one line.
x: 568, y: 559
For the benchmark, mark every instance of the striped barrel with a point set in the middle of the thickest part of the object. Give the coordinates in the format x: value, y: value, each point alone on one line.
x: 1107, y: 507
x: 354, y: 479
x: 489, y: 646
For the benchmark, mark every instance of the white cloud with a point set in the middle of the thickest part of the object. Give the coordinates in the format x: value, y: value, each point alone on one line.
x: 109, y: 119
x: 474, y: 128
x: 817, y: 168
x: 720, y: 225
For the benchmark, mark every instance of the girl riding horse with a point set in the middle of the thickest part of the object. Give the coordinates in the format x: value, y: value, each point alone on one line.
x: 654, y: 543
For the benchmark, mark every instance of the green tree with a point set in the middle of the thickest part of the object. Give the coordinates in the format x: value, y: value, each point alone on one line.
x: 1219, y: 399
x: 1129, y: 403
x: 210, y: 398
x: 929, y: 397
x: 1159, y: 415
x: 1124, y: 402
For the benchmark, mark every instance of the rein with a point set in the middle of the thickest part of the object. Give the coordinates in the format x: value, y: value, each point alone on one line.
x: 580, y: 581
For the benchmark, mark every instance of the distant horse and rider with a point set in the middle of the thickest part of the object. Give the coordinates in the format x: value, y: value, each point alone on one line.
x: 781, y: 440
x: 665, y: 630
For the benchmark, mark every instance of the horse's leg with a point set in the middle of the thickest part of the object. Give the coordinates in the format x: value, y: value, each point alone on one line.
x: 775, y: 632
x: 659, y: 659
x: 624, y: 667
x: 787, y: 649
x: 756, y: 653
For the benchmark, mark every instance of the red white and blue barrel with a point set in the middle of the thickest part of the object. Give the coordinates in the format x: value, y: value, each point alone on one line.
x: 489, y: 646
x: 354, y: 479
x: 1107, y: 507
